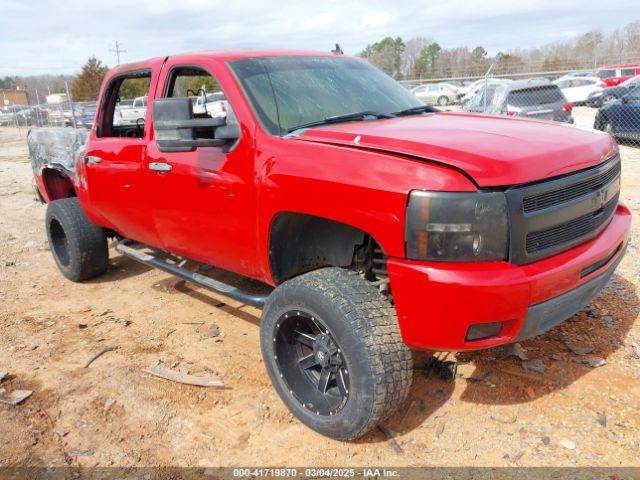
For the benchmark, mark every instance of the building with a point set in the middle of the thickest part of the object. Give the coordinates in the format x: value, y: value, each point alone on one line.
x: 13, y: 97
x: 57, y: 98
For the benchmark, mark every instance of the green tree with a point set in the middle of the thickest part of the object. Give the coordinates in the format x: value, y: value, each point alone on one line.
x: 134, y: 87
x: 387, y: 55
x: 8, y: 82
x: 86, y: 86
x: 479, y: 53
x: 428, y: 59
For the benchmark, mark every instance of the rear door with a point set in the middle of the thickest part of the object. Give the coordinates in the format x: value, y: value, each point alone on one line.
x: 113, y: 164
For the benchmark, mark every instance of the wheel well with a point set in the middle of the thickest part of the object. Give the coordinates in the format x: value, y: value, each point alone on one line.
x: 299, y: 243
x: 57, y: 184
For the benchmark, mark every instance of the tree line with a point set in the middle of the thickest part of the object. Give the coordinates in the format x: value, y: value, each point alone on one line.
x: 416, y: 58
x: 424, y: 58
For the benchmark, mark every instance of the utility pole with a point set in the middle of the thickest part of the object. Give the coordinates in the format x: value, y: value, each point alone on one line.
x: 118, y: 50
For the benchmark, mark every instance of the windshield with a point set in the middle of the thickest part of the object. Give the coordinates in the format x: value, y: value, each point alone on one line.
x: 289, y: 91
x: 634, y: 95
x: 631, y: 81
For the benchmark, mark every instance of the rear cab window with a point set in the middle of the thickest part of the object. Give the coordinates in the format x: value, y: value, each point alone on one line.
x: 527, y: 97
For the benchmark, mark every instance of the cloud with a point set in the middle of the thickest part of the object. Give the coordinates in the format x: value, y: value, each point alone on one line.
x: 376, y: 19
x: 57, y: 37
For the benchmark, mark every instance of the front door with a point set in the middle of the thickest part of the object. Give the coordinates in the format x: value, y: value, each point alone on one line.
x: 204, y: 202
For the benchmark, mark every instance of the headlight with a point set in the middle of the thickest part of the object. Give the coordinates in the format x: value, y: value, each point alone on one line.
x: 457, y: 227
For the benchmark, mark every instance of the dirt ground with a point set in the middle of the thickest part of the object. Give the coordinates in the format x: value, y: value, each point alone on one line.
x: 495, y: 413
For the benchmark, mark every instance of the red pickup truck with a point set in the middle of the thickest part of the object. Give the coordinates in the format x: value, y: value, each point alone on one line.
x: 374, y: 224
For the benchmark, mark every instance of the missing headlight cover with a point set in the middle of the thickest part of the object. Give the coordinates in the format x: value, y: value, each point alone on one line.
x: 457, y: 226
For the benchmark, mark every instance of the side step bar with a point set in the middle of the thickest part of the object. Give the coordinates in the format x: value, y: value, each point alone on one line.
x: 254, y: 299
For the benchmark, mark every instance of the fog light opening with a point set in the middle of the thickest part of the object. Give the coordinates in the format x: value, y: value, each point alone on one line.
x: 481, y: 331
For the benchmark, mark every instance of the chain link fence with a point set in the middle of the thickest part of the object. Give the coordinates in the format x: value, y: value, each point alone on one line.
x: 604, y: 98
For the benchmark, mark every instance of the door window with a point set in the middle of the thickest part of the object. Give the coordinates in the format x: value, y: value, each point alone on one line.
x: 206, y: 95
x: 120, y: 117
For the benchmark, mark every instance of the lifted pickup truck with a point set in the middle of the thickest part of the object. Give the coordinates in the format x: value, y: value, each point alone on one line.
x: 376, y: 224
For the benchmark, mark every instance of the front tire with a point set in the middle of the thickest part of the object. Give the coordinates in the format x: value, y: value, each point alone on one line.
x: 332, y: 347
x: 443, y: 101
x: 79, y: 247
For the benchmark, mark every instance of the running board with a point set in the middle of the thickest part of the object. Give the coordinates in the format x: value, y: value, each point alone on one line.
x: 254, y: 299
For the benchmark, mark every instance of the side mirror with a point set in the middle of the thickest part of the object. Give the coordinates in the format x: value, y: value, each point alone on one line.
x: 174, y: 126
x: 231, y: 129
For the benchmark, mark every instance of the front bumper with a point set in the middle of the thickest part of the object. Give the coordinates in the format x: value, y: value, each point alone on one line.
x: 436, y: 302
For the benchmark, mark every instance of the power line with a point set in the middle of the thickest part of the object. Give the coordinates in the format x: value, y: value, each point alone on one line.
x: 118, y: 50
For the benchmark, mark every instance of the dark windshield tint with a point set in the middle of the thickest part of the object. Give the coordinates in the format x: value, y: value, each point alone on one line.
x: 289, y: 91
x: 528, y: 97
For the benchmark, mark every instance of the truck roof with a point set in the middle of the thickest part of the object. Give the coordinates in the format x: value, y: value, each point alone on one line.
x: 222, y: 55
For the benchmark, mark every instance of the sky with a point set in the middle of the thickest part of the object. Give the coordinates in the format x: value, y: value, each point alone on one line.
x: 57, y: 37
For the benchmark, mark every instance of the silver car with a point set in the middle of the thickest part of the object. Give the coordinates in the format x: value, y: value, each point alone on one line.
x: 441, y: 94
x: 537, y: 99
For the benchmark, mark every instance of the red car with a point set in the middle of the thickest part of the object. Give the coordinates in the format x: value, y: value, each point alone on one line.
x: 371, y: 223
x: 613, y: 75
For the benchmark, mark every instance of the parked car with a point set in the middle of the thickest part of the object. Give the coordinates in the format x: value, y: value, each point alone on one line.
x: 60, y: 114
x: 27, y: 115
x: 579, y: 89
x: 133, y: 115
x: 88, y: 115
x: 212, y: 104
x: 6, y: 116
x: 436, y: 94
x: 371, y: 224
x: 599, y: 98
x: 613, y: 75
x: 466, y: 93
x: 537, y: 99
x: 621, y: 118
x: 577, y: 73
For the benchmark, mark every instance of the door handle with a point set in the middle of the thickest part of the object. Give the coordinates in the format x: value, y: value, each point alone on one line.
x: 92, y: 159
x: 160, y: 167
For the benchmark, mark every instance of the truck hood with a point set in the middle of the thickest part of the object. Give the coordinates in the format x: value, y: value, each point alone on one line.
x: 493, y: 150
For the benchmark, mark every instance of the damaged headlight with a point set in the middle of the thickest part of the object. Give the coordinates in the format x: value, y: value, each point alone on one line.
x: 456, y: 226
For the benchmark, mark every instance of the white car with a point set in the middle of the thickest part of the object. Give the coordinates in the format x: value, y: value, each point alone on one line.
x: 578, y: 89
x: 215, y: 105
x: 131, y: 115
x: 468, y: 92
x: 441, y: 94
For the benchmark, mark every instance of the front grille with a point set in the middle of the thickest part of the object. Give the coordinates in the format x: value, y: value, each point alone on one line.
x: 551, y: 216
x: 540, y: 201
x: 572, y: 230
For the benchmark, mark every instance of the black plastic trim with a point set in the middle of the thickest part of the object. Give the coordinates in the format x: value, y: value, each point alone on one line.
x: 524, y: 223
x: 255, y: 299
x: 550, y: 313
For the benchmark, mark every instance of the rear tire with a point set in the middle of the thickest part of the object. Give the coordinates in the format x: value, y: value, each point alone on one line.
x: 332, y: 320
x: 443, y: 101
x: 79, y: 247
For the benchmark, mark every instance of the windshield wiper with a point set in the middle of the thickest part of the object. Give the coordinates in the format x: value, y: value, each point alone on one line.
x: 347, y: 117
x: 415, y: 110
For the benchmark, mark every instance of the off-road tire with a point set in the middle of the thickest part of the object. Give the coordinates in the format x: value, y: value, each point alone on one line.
x: 79, y: 247
x: 365, y: 327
